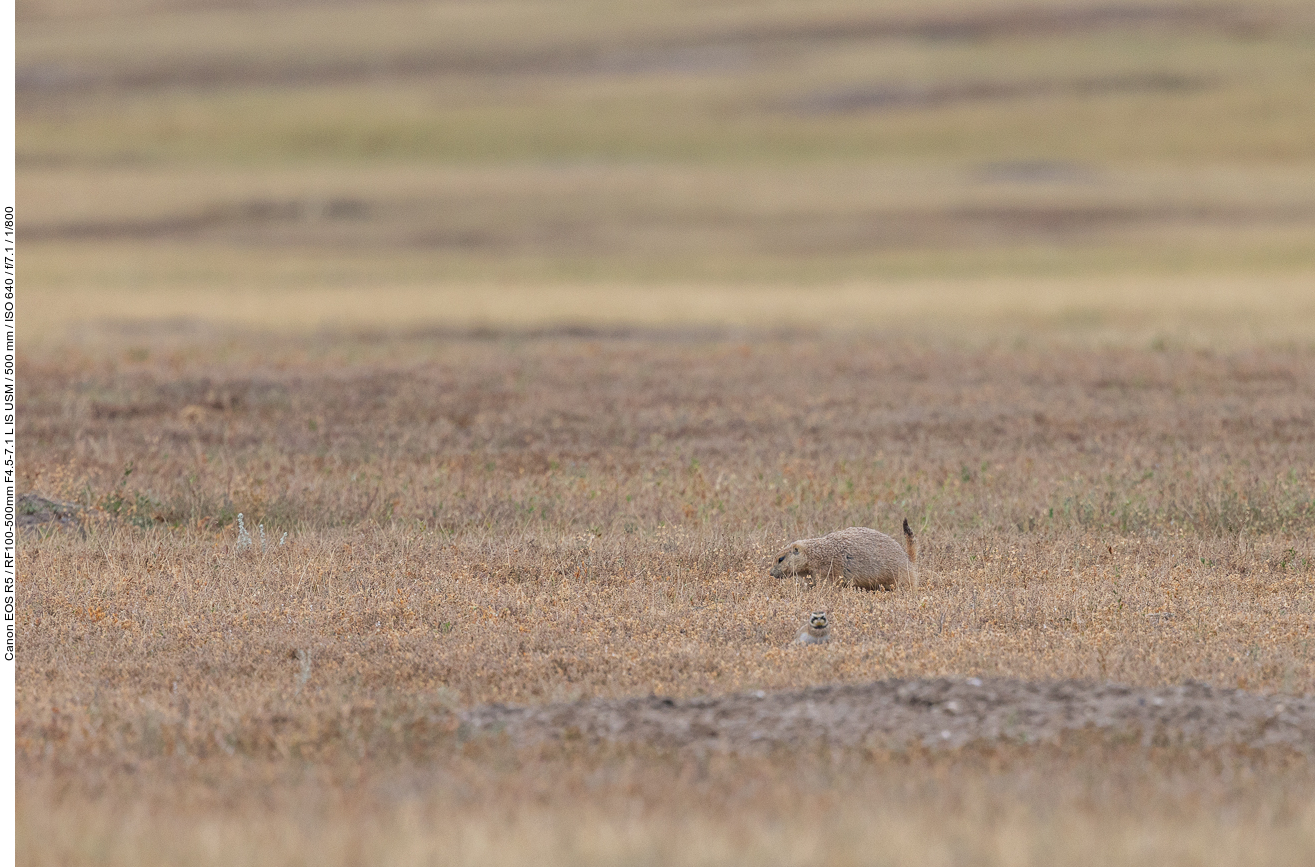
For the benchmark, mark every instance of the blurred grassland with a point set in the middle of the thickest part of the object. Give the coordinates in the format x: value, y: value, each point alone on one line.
x: 1074, y: 804
x: 1149, y: 312
x: 701, y: 83
x: 1137, y: 169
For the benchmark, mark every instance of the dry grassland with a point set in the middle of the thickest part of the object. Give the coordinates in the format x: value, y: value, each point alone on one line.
x: 538, y: 518
x: 526, y: 331
x: 481, y: 803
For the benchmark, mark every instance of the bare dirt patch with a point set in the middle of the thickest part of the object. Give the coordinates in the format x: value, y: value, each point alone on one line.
x: 34, y: 512
x: 933, y: 713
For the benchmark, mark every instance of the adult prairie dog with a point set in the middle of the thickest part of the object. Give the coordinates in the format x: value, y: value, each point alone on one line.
x: 816, y: 631
x: 858, y: 556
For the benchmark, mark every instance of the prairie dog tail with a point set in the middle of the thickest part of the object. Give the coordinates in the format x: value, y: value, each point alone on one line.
x: 910, y: 546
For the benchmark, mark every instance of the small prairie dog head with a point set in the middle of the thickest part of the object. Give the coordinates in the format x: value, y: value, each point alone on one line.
x: 792, y: 561
x: 816, y: 630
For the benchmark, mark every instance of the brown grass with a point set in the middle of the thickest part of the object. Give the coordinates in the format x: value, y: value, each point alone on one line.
x: 1079, y: 802
x: 1033, y: 274
x: 523, y: 518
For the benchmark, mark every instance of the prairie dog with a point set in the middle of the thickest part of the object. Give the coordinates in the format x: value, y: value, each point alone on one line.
x: 858, y: 556
x: 816, y: 631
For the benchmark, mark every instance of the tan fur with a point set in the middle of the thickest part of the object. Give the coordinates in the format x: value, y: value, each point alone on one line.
x: 858, y: 556
x: 816, y: 631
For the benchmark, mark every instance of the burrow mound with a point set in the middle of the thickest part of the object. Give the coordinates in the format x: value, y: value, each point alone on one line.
x: 938, y: 712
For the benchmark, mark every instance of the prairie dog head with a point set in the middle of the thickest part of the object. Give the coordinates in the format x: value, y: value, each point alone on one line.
x: 792, y: 561
x: 816, y: 630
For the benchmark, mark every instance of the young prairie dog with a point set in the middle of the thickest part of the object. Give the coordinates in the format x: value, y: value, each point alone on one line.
x: 858, y: 556
x: 816, y: 631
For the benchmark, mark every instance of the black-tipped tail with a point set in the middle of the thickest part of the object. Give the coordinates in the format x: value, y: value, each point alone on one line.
x: 910, y: 547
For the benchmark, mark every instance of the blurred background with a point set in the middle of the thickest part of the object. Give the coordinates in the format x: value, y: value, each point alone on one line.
x: 987, y: 167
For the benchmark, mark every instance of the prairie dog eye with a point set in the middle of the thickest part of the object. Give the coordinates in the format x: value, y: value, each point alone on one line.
x: 780, y: 559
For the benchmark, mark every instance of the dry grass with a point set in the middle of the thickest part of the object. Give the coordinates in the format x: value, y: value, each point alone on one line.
x: 536, y: 326
x: 184, y: 293
x: 526, y: 519
x: 775, y: 434
x: 1077, y: 803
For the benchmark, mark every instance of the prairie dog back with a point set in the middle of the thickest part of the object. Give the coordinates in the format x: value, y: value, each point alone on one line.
x: 858, y: 556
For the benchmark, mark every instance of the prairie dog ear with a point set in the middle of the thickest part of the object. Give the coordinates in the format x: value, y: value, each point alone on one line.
x: 794, y: 549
